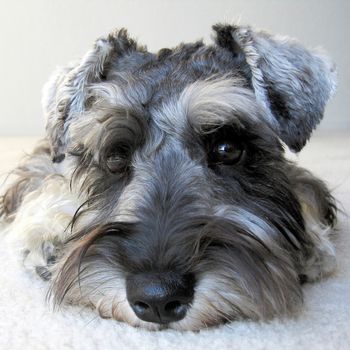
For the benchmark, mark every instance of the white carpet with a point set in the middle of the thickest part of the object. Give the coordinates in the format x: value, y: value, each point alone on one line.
x: 27, y: 323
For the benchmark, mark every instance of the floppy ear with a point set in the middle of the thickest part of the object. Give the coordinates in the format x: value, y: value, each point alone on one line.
x: 65, y: 94
x: 292, y: 83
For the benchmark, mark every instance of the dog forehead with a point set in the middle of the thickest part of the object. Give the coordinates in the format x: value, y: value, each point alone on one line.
x: 153, y: 79
x: 174, y: 105
x: 196, y: 87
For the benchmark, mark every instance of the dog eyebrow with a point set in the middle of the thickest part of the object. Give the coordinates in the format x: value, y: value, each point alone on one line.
x: 125, y: 119
x: 107, y: 124
x: 209, y: 104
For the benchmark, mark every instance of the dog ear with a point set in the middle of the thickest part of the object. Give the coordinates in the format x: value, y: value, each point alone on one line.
x: 290, y: 82
x: 65, y: 94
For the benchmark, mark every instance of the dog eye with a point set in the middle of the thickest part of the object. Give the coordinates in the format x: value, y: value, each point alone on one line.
x: 116, y: 164
x: 117, y: 160
x: 226, y: 153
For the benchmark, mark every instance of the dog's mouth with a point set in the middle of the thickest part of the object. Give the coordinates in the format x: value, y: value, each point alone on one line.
x: 210, y: 270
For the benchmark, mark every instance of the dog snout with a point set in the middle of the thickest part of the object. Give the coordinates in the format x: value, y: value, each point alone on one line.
x: 160, y: 297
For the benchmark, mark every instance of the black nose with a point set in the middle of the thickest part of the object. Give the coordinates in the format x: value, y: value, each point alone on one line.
x: 160, y: 297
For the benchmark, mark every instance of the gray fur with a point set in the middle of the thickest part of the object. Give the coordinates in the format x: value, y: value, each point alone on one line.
x: 292, y: 83
x: 248, y: 232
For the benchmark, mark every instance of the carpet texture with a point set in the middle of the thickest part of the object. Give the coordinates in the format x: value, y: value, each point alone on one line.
x: 26, y: 322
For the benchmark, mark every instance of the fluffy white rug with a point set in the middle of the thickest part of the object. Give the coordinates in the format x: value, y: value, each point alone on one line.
x: 26, y: 322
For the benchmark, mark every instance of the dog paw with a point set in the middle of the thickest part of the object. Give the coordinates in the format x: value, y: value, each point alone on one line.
x: 43, y: 272
x: 50, y: 251
x: 322, y: 264
x: 42, y: 259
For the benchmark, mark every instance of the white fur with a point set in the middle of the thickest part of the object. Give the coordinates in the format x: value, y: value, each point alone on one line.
x: 44, y: 217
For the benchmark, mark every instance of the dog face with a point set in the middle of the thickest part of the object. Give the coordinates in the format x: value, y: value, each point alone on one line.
x: 191, y: 215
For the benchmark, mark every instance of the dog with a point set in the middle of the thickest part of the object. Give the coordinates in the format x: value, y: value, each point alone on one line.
x: 162, y: 195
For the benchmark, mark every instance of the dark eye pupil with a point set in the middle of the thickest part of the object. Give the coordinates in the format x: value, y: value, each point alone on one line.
x: 225, y: 149
x: 226, y: 153
x: 116, y: 163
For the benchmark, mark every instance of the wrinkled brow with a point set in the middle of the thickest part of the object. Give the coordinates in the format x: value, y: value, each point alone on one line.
x: 105, y: 124
x: 124, y: 124
x: 213, y: 103
x: 208, y: 104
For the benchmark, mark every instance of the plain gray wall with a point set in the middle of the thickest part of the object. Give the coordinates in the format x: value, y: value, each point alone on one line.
x: 38, y: 35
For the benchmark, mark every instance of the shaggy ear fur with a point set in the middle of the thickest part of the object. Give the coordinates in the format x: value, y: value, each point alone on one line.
x: 65, y: 94
x: 292, y: 83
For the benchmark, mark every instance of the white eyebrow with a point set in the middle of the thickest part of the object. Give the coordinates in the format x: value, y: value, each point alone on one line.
x: 210, y: 103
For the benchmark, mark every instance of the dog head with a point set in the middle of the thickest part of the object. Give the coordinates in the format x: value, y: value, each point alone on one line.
x: 190, y: 214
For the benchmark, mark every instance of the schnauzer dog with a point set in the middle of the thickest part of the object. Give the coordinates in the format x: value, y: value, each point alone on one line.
x: 162, y: 196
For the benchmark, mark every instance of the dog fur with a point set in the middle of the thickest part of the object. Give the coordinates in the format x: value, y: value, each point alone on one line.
x: 250, y: 233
